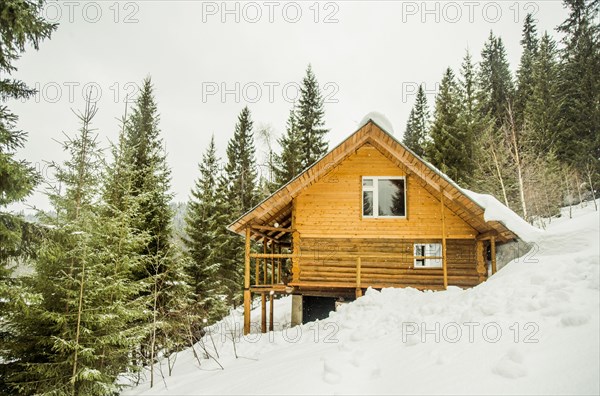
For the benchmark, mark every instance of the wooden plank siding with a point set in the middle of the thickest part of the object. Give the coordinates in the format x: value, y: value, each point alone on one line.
x: 331, y: 232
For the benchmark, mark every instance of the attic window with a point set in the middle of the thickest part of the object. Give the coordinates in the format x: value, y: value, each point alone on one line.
x: 384, y: 197
x: 428, y: 255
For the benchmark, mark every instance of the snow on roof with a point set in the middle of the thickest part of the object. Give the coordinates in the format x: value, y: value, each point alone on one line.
x: 497, y: 211
x: 378, y: 118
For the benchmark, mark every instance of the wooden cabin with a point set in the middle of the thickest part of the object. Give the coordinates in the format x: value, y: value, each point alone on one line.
x: 370, y: 213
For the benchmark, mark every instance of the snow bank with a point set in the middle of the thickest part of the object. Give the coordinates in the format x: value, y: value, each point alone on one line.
x: 496, y: 211
x: 533, y: 328
x: 378, y: 118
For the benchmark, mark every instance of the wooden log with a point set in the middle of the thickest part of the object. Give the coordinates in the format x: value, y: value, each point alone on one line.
x: 479, y: 254
x: 263, y: 313
x: 265, y: 264
x: 247, y: 294
x: 275, y: 255
x: 493, y: 252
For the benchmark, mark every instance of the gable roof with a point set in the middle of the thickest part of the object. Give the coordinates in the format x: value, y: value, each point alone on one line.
x: 277, y: 208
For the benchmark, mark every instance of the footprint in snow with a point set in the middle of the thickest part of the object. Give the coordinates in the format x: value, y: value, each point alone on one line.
x: 510, y: 365
x: 573, y: 319
x: 331, y: 374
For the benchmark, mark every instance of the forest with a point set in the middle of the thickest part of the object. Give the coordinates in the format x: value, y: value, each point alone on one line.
x: 115, y: 284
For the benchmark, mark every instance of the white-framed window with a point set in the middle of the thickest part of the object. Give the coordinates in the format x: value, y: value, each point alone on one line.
x: 428, y: 255
x: 384, y: 196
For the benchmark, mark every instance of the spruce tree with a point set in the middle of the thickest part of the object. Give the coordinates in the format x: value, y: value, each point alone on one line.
x: 289, y: 163
x: 162, y: 270
x: 416, y: 134
x: 237, y: 193
x: 75, y: 336
x: 310, y: 120
x: 579, y: 139
x: 448, y: 149
x: 542, y: 111
x: 202, y: 229
x: 495, y: 81
x: 529, y: 45
x: 21, y: 24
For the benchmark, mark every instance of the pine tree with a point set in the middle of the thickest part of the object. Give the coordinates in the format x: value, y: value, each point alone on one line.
x: 448, y: 149
x: 289, y: 163
x: 417, y: 133
x: 202, y: 229
x: 309, y: 118
x: 21, y: 24
x: 579, y: 138
x: 529, y: 44
x: 495, y: 81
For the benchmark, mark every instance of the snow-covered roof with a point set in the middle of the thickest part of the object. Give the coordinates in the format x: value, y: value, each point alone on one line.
x: 497, y: 211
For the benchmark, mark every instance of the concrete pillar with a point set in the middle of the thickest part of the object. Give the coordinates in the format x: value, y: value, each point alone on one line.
x: 296, y: 309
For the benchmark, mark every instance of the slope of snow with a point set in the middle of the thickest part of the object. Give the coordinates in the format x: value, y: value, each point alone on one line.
x: 378, y: 118
x: 533, y: 328
x: 496, y: 211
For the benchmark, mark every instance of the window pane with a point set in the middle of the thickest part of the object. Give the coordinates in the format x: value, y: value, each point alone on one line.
x: 367, y: 182
x: 391, y: 197
x: 367, y: 203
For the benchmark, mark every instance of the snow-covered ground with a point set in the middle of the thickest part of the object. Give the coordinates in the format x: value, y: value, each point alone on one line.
x: 533, y: 328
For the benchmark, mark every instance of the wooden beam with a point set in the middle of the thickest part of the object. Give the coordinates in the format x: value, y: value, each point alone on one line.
x: 272, y: 255
x: 444, y: 258
x: 493, y: 252
x: 487, y: 235
x: 268, y: 228
x: 247, y: 294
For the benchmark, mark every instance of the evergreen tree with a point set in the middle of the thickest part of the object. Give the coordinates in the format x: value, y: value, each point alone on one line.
x: 471, y: 123
x: 21, y: 24
x: 542, y: 109
x: 237, y: 193
x: 202, y: 229
x: 579, y: 139
x: 495, y: 81
x: 162, y: 271
x: 416, y: 134
x: 448, y: 149
x: 289, y: 163
x: 529, y: 44
x: 310, y: 122
x: 75, y: 335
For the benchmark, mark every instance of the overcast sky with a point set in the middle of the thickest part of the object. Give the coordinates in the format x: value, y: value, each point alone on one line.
x: 208, y: 60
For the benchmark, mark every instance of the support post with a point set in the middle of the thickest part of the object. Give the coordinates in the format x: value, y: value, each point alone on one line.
x: 479, y: 252
x: 444, y: 259
x: 358, y: 270
x: 493, y: 252
x: 263, y: 313
x: 247, y: 294
x: 271, y: 299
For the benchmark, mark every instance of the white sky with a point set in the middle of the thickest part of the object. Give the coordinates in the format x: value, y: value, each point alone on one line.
x: 207, y: 63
